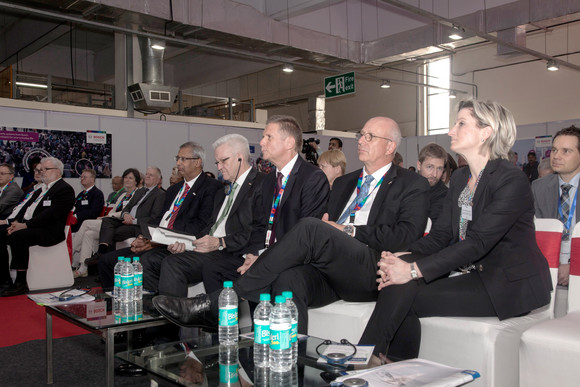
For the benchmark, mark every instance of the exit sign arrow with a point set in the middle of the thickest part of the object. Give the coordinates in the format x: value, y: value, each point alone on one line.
x: 338, y: 85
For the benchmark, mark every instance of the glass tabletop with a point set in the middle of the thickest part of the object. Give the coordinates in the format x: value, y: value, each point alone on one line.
x: 104, y: 313
x: 195, y: 362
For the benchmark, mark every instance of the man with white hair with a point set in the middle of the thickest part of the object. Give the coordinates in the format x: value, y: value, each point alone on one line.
x: 40, y: 221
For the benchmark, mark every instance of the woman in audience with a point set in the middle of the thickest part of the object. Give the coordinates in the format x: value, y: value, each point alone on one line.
x: 333, y: 164
x: 480, y: 258
x: 86, y: 239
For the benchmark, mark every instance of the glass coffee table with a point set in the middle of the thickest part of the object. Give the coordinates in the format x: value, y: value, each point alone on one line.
x: 97, y: 317
x: 172, y: 364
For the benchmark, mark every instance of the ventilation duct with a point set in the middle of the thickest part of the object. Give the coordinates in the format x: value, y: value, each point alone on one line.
x: 152, y: 94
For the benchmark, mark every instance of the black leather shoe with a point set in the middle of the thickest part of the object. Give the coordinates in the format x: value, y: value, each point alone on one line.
x: 15, y: 289
x: 93, y: 260
x: 186, y: 312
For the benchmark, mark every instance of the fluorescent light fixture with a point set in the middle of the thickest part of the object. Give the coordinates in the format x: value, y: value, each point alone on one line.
x: 287, y: 68
x: 452, y: 94
x: 456, y: 33
x: 455, y: 36
x: 552, y: 65
x: 158, y: 46
x: 385, y: 84
x: 27, y: 84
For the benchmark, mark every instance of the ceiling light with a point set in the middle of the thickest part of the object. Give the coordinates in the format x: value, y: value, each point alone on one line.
x: 287, y: 68
x: 552, y: 65
x: 456, y: 34
x: 452, y: 94
x: 27, y: 84
x: 158, y: 46
x: 385, y: 84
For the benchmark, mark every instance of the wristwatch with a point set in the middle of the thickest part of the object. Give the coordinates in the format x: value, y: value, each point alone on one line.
x: 221, y: 245
x: 414, y: 274
x: 349, y: 229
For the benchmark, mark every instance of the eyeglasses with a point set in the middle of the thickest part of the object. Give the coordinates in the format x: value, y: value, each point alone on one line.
x: 222, y: 161
x: 5, y: 173
x: 369, y: 137
x: 184, y: 159
x: 40, y: 170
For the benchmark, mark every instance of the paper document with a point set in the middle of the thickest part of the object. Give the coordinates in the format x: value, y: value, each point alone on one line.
x: 414, y: 372
x: 166, y: 236
x: 52, y: 298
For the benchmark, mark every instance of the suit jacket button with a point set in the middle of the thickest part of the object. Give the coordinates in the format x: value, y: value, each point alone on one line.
x: 480, y: 268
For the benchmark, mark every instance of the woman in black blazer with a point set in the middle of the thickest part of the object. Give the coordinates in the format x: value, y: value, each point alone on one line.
x: 480, y: 258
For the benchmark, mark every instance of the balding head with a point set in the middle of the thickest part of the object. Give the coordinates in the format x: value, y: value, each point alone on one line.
x: 378, y: 142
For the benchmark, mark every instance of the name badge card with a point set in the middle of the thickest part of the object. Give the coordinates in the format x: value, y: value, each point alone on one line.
x: 46, y: 203
x: 466, y: 212
x: 84, y: 202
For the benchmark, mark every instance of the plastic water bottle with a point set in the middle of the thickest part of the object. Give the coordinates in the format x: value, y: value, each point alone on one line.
x: 228, y: 314
x: 228, y: 359
x: 137, y: 279
x: 262, y: 331
x: 126, y: 291
x: 280, y: 327
x: 294, y: 333
x: 117, y: 271
x: 138, y: 310
x: 127, y: 311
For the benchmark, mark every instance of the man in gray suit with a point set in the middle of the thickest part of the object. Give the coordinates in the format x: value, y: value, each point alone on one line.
x: 555, y: 195
x: 10, y: 192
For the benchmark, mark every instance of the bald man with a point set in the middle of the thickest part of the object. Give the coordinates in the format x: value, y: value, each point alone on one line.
x: 377, y: 208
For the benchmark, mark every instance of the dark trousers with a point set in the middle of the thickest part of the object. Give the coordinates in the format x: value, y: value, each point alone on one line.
x: 216, y: 271
x: 19, y: 243
x: 394, y: 326
x: 113, y: 230
x: 319, y: 263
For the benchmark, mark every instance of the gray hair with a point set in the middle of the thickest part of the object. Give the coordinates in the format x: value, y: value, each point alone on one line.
x: 238, y: 143
x: 196, y: 150
x: 544, y: 165
x: 157, y: 169
x: 56, y: 162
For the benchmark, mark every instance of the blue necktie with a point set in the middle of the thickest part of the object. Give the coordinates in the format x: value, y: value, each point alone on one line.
x: 364, y: 191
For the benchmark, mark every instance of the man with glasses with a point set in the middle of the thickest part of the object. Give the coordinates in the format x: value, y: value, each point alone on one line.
x: 187, y: 208
x: 380, y: 207
x: 40, y: 221
x: 10, y: 192
x: 431, y: 165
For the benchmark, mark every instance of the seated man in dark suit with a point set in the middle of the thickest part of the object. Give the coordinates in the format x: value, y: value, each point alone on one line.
x: 40, y: 222
x: 431, y: 165
x: 188, y: 207
x: 145, y: 205
x: 89, y: 202
x: 118, y: 190
x: 10, y: 192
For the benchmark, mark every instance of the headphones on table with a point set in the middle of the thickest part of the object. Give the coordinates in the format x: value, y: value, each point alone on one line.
x: 337, y: 358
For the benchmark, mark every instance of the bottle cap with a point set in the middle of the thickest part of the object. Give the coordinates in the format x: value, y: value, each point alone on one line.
x: 280, y: 299
x: 120, y: 258
x: 265, y: 297
x: 287, y: 294
x: 228, y: 284
x: 135, y: 259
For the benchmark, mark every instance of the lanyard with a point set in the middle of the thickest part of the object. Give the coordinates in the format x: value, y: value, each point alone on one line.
x: 4, y: 188
x: 273, y: 211
x: 179, y: 201
x: 568, y: 222
x: 83, y: 195
x: 362, y: 202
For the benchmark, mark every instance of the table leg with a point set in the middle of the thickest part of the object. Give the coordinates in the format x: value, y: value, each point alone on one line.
x: 48, y: 348
x: 110, y: 349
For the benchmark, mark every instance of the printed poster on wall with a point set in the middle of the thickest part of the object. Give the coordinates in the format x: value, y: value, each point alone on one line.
x: 543, y: 147
x: 22, y: 147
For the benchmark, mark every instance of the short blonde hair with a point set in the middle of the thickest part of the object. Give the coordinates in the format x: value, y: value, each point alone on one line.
x: 499, y: 119
x: 335, y: 158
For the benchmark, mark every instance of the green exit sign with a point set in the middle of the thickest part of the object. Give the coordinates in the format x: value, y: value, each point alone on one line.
x: 338, y: 85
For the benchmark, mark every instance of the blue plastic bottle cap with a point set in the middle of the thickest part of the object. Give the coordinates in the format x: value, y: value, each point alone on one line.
x: 120, y: 258
x: 280, y: 299
x: 228, y: 284
x: 287, y: 294
x: 265, y: 297
x: 135, y: 259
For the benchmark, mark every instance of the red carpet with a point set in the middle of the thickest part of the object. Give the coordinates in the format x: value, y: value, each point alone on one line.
x: 23, y: 320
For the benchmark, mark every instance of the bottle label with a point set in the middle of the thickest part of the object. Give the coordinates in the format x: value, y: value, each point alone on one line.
x: 280, y: 336
x: 261, y: 331
x: 294, y: 331
x: 228, y: 316
x: 126, y: 282
x: 138, y: 279
x: 228, y: 373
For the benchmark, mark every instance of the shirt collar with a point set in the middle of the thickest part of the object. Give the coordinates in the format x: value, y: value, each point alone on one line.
x: 288, y: 167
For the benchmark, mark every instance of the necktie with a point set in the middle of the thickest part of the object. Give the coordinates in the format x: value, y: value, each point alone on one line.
x: 178, y: 205
x: 124, y: 201
x: 364, y: 191
x: 565, y: 207
x: 280, y: 178
x: 226, y: 210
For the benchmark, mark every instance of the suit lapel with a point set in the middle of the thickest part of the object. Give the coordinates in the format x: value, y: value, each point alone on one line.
x: 345, y: 195
x: 244, y: 189
x: 290, y: 183
x: 382, y: 193
x: 193, y: 191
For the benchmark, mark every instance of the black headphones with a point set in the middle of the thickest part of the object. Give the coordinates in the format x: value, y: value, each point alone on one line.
x: 337, y: 358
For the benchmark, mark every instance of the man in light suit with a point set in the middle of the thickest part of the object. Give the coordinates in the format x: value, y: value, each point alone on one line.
x: 40, y: 222
x: 237, y: 226
x: 10, y: 192
x: 188, y: 207
x: 548, y: 200
x: 89, y: 202
x: 336, y: 258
